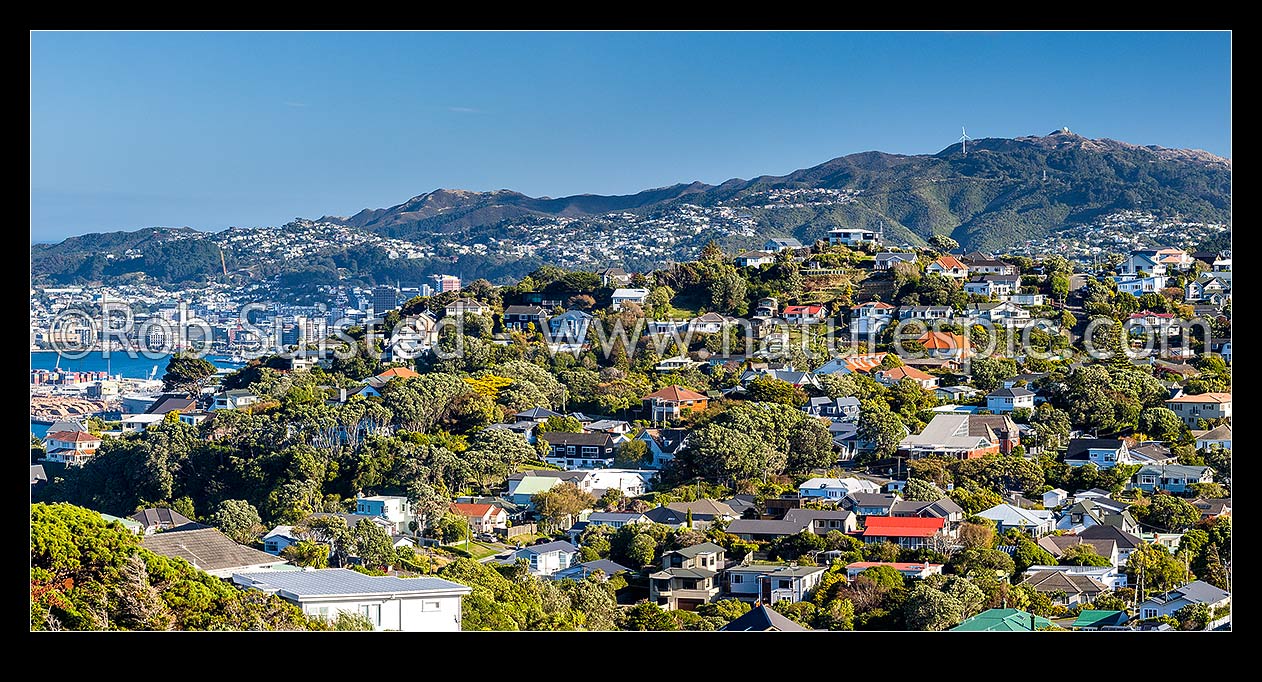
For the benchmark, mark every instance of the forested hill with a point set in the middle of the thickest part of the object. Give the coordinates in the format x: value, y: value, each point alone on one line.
x: 1000, y: 192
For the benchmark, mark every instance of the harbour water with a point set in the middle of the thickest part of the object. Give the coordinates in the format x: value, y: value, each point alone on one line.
x: 129, y: 366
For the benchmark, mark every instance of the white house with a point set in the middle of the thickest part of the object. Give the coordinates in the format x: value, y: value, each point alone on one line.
x: 1034, y: 522
x: 1105, y: 453
x: 621, y: 296
x: 73, y: 448
x: 1054, y: 498
x: 1137, y: 286
x: 461, y: 306
x: 805, y: 314
x: 394, y: 508
x: 871, y: 317
x: 548, y: 558
x: 753, y: 259
x: 231, y: 400
x: 424, y: 604
x: 1192, y: 408
x: 771, y: 583
x: 835, y: 488
x: 1008, y: 399
x: 948, y: 266
x: 615, y: 519
x: 1217, y: 438
x: 776, y: 244
x: 1146, y: 262
x: 850, y: 236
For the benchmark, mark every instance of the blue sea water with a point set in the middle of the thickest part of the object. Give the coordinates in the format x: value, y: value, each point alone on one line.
x: 117, y: 363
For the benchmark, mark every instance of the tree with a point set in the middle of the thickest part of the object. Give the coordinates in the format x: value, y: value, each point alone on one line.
x: 1169, y: 514
x: 237, y: 519
x: 1161, y: 423
x: 943, y: 243
x: 929, y: 609
x: 886, y: 577
x: 453, y: 528
x: 768, y: 389
x: 632, y: 454
x: 880, y: 426
x: 1193, y: 617
x: 561, y: 503
x: 1083, y: 554
x: 560, y: 424
x: 1151, y: 568
x: 643, y: 549
x: 307, y: 553
x: 347, y: 621
x: 727, y: 610
x: 647, y: 616
x: 989, y: 372
x: 789, y: 547
x: 373, y: 544
x: 186, y: 373
x: 918, y: 489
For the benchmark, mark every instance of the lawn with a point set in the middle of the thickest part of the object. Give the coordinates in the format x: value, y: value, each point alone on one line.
x: 479, y: 550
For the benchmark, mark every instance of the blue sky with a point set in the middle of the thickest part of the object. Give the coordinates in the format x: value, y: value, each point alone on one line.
x: 212, y: 130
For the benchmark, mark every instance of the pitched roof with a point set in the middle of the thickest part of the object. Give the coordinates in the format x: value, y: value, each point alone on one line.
x: 161, y: 517
x: 675, y: 394
x: 1078, y: 447
x: 548, y: 547
x: 905, y: 372
x: 901, y: 526
x: 947, y: 261
x: 948, y: 431
x: 1057, y: 544
x: 763, y: 619
x: 803, y: 309
x: 340, y: 582
x: 1094, y: 618
x: 1180, y: 470
x: 880, y: 305
x: 37, y: 473
x: 934, y: 340
x: 207, y: 549
x: 896, y: 565
x: 599, y: 438
x: 72, y: 436
x: 1125, y: 541
x: 1062, y: 581
x: 1202, y: 398
x: 694, y: 550
x: 1196, y: 592
x: 1220, y: 432
x: 1014, y: 392
x: 1003, y: 620
x: 399, y: 372
x: 755, y: 255
x: 474, y: 510
x: 1012, y: 515
x: 702, y: 507
x: 766, y: 527
x: 171, y: 403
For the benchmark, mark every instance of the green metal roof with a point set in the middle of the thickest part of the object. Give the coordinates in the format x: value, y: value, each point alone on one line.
x: 1002, y: 620
x: 1094, y: 618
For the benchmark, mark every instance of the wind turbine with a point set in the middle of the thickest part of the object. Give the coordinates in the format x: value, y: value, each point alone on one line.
x: 964, y: 138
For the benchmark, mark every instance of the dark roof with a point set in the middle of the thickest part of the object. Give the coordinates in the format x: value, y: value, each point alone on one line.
x: 1124, y: 540
x: 936, y: 509
x: 762, y: 619
x: 599, y: 438
x: 609, y: 567
x: 524, y: 310
x: 160, y: 517
x: 207, y: 549
x: 1078, y: 446
x: 1014, y: 392
x: 871, y: 499
x: 766, y: 527
x: 169, y: 403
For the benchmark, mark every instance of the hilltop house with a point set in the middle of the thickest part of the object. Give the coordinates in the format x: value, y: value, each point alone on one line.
x: 636, y: 296
x: 805, y: 314
x: 885, y: 261
x: 850, y: 236
x: 753, y: 259
x: 520, y: 317
x: 570, y: 327
x: 234, y: 399
x: 461, y: 306
x: 777, y: 244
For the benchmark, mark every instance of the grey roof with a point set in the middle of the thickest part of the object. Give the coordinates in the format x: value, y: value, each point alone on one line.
x: 1057, y: 544
x: 694, y: 550
x: 37, y: 473
x: 613, y: 516
x: 1220, y: 432
x: 938, y: 509
x: 1181, y: 470
x: 1069, y: 583
x: 794, y: 515
x: 207, y: 549
x: 798, y: 571
x: 1125, y: 541
x: 1202, y: 592
x: 872, y: 499
x: 524, y: 310
x: 762, y: 619
x: 547, y: 547
x: 609, y: 567
x: 326, y: 582
x: 161, y: 517
x: 1014, y: 392
x: 599, y: 438
x: 169, y: 403
x: 538, y: 413
x: 766, y: 527
x: 704, y: 508
x: 700, y: 573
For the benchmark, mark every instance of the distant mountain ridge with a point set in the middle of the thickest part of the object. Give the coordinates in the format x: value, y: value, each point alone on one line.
x: 1002, y: 193
x: 984, y: 199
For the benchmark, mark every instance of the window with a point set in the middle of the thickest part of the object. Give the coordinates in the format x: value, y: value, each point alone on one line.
x: 320, y: 612
x: 1150, y: 613
x: 737, y: 578
x: 431, y: 606
x: 372, y: 612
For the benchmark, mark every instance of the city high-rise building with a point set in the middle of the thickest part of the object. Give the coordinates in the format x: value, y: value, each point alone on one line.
x: 445, y: 283
x: 384, y: 299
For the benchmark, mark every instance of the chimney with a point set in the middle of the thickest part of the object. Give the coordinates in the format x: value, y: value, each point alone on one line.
x: 341, y: 398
